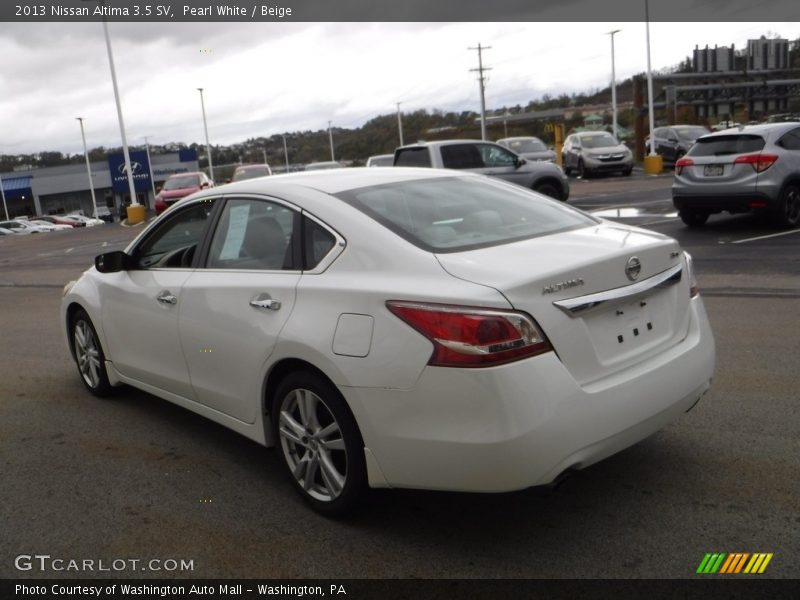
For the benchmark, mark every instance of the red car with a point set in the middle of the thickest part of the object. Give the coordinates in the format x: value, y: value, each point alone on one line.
x: 179, y: 186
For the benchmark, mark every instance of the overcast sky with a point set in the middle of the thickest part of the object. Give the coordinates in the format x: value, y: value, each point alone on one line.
x: 262, y: 79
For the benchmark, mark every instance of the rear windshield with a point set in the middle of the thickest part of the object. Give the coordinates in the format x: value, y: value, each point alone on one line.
x: 463, y: 213
x: 412, y: 157
x: 723, y: 145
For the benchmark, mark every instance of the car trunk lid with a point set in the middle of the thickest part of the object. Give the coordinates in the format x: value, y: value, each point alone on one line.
x: 598, y: 318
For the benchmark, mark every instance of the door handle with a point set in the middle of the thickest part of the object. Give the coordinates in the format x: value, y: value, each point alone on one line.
x: 166, y: 297
x: 264, y: 301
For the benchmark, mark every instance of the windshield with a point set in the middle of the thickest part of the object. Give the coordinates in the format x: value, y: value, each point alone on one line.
x: 184, y: 181
x: 527, y: 145
x: 462, y: 213
x: 600, y: 140
x: 722, y: 145
x: 690, y: 133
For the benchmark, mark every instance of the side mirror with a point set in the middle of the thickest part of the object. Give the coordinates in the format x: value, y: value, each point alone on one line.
x: 204, y: 185
x: 519, y: 161
x: 112, y: 262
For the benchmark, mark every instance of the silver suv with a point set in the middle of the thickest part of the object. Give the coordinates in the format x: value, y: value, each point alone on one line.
x: 590, y: 152
x: 751, y: 168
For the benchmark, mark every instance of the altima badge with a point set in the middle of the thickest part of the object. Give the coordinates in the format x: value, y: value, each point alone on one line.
x: 562, y: 285
x: 633, y: 268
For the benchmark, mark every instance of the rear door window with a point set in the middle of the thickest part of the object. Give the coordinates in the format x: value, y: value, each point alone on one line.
x: 724, y: 145
x: 461, y: 156
x: 791, y: 140
x: 412, y: 157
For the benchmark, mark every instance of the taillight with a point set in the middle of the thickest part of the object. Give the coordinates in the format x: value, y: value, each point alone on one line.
x: 683, y: 162
x: 464, y: 336
x: 693, y: 289
x: 759, y: 162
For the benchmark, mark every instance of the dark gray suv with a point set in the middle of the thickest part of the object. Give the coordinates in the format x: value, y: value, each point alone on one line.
x: 751, y: 168
x: 674, y: 141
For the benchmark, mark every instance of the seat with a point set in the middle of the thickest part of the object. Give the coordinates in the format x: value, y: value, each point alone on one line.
x: 264, y: 244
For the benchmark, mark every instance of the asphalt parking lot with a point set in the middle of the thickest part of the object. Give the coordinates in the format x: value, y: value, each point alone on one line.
x: 138, y: 478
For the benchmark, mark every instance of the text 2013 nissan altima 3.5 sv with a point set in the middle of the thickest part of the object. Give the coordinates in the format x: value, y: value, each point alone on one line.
x: 404, y: 328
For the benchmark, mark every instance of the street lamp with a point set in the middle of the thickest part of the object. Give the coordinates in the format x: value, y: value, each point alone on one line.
x: 330, y: 137
x: 613, y: 85
x: 138, y: 216
x: 88, y: 168
x: 205, y: 128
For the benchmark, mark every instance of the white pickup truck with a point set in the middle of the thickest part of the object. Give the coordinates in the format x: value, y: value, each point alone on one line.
x: 486, y: 158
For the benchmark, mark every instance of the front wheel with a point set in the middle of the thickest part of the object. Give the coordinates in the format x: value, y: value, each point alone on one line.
x: 787, y: 211
x: 548, y: 189
x: 89, y: 355
x: 583, y: 172
x: 319, y: 443
x: 693, y: 219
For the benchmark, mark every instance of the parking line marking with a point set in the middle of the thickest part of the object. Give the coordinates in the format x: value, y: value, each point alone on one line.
x: 68, y: 250
x: 764, y: 237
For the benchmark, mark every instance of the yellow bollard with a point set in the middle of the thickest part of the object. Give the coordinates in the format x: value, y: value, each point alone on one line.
x: 135, y: 214
x: 653, y: 164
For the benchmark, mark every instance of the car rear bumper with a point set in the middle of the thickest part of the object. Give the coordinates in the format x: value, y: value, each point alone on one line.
x: 523, y: 424
x: 734, y: 203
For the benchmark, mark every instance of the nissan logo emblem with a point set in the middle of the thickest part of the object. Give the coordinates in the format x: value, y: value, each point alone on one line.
x: 633, y: 268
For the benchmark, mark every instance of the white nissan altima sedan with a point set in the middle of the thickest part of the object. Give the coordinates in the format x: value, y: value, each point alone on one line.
x: 405, y: 328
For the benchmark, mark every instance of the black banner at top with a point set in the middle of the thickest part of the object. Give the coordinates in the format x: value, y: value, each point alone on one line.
x: 399, y: 10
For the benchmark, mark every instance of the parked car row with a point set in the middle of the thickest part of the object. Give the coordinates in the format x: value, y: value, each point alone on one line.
x: 46, y: 223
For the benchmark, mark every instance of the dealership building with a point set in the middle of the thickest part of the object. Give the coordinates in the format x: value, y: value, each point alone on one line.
x: 65, y: 189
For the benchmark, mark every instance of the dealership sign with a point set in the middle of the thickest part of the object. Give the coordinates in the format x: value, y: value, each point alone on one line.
x: 140, y: 170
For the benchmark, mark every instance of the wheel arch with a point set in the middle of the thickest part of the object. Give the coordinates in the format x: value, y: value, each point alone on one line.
x: 276, y: 374
x: 549, y: 180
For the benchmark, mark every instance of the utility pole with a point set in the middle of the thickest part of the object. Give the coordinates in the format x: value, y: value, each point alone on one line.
x: 482, y: 81
x: 88, y: 168
x: 330, y: 137
x: 399, y: 123
x: 285, y: 153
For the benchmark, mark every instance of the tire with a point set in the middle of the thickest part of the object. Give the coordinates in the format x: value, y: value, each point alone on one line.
x: 567, y: 169
x: 89, y: 356
x: 693, y: 219
x: 627, y: 172
x: 583, y: 172
x: 319, y: 443
x: 787, y: 211
x: 548, y: 189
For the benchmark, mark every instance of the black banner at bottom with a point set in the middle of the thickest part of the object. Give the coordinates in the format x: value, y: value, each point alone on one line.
x: 390, y: 589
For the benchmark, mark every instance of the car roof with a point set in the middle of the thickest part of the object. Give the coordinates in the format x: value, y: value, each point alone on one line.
x: 331, y: 181
x: 584, y: 133
x: 519, y: 137
x: 761, y: 128
x: 445, y: 143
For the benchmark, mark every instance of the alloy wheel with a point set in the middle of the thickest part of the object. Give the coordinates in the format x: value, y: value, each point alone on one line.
x: 87, y: 353
x: 313, y: 445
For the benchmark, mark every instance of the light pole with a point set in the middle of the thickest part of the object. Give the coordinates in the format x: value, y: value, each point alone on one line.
x: 88, y: 168
x: 652, y: 161
x: 285, y: 152
x: 400, y: 123
x: 330, y: 137
x: 150, y: 167
x: 482, y: 83
x: 3, y: 194
x: 138, y: 214
x: 613, y: 85
x: 205, y: 128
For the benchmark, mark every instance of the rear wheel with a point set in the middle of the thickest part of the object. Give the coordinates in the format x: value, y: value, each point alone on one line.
x: 693, y: 218
x: 89, y: 355
x: 787, y: 212
x: 319, y: 443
